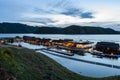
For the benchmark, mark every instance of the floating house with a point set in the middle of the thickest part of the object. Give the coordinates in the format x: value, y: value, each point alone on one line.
x: 108, y: 47
x: 29, y: 39
x: 83, y: 46
x: 10, y: 40
x: 37, y: 41
x: 70, y: 44
x: 61, y: 41
x: 18, y: 39
x: 45, y: 42
x: 1, y: 41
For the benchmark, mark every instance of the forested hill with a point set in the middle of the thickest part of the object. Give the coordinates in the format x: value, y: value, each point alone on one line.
x: 73, y: 29
x: 16, y: 28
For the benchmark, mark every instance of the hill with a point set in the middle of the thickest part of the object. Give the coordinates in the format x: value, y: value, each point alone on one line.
x: 74, y: 29
x: 16, y: 28
x: 25, y: 64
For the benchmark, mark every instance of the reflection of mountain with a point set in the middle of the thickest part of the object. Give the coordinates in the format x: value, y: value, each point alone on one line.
x: 73, y: 29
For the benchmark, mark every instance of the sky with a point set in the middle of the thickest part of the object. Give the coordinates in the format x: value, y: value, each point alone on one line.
x: 61, y: 13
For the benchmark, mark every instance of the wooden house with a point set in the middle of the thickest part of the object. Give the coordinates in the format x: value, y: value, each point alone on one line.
x: 1, y: 41
x: 108, y: 47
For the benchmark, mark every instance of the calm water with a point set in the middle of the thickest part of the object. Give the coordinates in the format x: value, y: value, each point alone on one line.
x: 75, y: 66
x: 115, y: 38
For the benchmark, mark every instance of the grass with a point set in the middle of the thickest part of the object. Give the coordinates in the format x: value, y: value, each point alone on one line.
x: 26, y: 64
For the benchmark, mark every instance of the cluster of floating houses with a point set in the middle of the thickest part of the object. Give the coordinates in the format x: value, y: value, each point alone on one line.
x: 67, y: 44
x: 103, y: 49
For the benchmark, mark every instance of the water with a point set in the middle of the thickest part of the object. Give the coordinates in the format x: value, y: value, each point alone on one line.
x: 75, y: 66
x: 114, y: 38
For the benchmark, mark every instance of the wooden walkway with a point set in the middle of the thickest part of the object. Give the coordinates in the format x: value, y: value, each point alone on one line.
x: 81, y: 60
x: 65, y: 53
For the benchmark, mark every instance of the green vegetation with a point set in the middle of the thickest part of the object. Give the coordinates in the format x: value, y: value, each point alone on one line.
x: 26, y: 64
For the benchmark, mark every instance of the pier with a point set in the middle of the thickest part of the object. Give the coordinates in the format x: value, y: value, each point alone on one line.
x: 81, y: 60
x: 65, y: 53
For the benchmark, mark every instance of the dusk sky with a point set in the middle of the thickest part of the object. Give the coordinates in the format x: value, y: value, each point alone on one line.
x: 61, y: 12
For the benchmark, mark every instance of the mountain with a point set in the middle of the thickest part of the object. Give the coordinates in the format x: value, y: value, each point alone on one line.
x: 49, y: 30
x: 113, y: 26
x: 74, y: 29
x: 16, y: 28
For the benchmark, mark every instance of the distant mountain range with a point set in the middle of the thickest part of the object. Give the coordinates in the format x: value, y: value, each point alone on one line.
x: 113, y: 26
x: 73, y: 29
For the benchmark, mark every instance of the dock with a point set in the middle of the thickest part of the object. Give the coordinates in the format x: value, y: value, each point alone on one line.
x: 65, y: 53
x: 81, y: 60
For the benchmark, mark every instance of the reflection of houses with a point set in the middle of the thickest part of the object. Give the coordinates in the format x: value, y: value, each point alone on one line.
x: 108, y: 47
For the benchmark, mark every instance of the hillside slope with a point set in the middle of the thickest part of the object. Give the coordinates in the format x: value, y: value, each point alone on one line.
x: 16, y: 28
x: 25, y: 64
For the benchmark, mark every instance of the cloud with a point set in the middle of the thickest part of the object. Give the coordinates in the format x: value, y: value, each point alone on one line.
x: 72, y: 12
x: 59, y: 12
x: 87, y: 15
x: 77, y: 12
x: 43, y: 21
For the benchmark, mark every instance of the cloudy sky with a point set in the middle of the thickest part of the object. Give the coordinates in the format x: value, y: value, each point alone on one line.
x: 61, y: 12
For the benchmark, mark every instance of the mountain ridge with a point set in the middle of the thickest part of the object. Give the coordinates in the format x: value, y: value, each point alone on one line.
x: 73, y: 29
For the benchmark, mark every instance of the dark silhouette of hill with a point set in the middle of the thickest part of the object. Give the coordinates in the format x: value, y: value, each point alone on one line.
x: 16, y: 28
x: 73, y: 29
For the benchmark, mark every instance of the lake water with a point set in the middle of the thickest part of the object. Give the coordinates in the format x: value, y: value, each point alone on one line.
x: 82, y: 68
x: 114, y: 38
